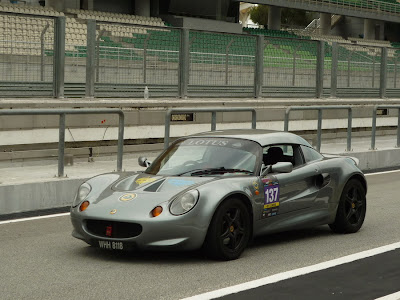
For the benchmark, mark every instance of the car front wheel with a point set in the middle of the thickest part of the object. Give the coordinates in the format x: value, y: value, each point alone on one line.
x: 352, y: 208
x: 229, y: 231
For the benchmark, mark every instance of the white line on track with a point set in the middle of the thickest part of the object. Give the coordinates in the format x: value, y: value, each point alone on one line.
x: 384, y: 172
x: 294, y: 273
x: 34, y: 218
x: 395, y: 296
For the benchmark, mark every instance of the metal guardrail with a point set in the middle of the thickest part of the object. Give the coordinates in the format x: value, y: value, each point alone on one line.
x: 213, y: 112
x: 373, y: 133
x: 61, y: 140
x: 319, y: 129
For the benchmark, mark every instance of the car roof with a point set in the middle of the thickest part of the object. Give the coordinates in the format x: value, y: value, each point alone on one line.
x: 262, y: 136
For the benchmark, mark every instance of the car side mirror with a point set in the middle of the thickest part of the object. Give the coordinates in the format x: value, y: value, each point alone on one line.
x: 282, y: 167
x: 144, y: 162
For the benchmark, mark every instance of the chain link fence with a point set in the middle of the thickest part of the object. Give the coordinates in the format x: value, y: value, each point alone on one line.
x: 358, y: 66
x: 289, y: 66
x: 130, y: 57
x: 124, y: 58
x: 26, y: 55
x: 221, y: 64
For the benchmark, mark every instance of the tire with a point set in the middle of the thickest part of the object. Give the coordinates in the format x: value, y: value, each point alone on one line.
x: 229, y: 231
x: 351, y: 210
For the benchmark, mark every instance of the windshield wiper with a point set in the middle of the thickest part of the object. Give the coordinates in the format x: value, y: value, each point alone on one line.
x: 215, y: 171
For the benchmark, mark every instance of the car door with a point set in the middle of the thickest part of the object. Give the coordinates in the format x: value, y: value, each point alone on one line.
x: 289, y: 192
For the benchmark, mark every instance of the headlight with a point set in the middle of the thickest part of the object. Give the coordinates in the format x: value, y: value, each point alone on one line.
x: 83, y: 192
x: 184, y: 203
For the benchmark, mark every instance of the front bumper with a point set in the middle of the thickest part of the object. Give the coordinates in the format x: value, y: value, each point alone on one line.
x: 166, y: 232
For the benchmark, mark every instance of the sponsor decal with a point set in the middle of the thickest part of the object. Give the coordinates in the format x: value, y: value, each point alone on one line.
x: 181, y: 182
x: 145, y: 180
x: 113, y: 212
x: 271, y: 197
x: 128, y: 197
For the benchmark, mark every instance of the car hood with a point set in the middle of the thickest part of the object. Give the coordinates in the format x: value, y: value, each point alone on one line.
x: 134, y: 193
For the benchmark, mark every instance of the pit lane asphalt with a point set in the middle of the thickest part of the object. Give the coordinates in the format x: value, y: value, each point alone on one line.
x: 39, y: 259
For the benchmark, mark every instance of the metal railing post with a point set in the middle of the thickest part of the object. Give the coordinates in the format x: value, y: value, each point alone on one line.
x: 61, y: 145
x: 227, y: 61
x: 213, y: 121
x: 167, y: 128
x: 383, y: 74
x: 121, y: 127
x: 145, y: 44
x: 349, y: 127
x: 319, y: 130
x: 320, y: 69
x: 259, y: 67
x: 286, y: 124
x: 42, y: 52
x: 253, y: 119
x: 334, y: 68
x: 90, y: 58
x: 184, y: 57
x: 59, y: 57
x: 398, y: 128
x: 98, y: 55
x: 373, y: 132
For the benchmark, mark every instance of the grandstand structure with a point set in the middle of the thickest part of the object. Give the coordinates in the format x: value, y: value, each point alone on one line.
x: 59, y: 51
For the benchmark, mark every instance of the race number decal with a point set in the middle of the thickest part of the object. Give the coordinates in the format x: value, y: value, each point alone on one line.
x: 271, y: 197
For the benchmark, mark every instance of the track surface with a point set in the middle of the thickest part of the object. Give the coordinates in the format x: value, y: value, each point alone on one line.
x: 40, y: 260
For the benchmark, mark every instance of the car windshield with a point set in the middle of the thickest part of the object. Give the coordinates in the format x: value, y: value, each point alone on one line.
x: 207, y: 156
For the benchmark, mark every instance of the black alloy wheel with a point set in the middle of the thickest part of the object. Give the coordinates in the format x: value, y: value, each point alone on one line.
x: 229, y: 231
x: 352, y: 208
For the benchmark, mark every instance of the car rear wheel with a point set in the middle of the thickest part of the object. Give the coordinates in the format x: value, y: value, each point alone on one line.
x: 352, y: 208
x: 229, y: 231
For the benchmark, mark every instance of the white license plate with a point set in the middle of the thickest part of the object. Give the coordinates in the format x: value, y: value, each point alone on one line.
x: 111, y: 245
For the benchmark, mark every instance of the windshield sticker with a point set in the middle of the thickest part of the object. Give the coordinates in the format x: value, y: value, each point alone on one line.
x: 145, y: 180
x: 271, y: 197
x: 208, y: 142
x: 181, y: 182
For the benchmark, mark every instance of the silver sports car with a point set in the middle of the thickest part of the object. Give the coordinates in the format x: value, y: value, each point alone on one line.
x: 217, y: 190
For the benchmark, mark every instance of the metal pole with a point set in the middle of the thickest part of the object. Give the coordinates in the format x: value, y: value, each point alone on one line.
x: 398, y: 128
x: 184, y: 57
x: 145, y: 57
x: 383, y: 75
x: 121, y: 126
x: 334, y: 68
x: 98, y: 55
x: 259, y: 66
x: 42, y: 52
x: 348, y: 69
x: 373, y: 71
x: 395, y: 71
x: 319, y: 130
x: 213, y: 121
x: 294, y: 66
x: 61, y: 145
x: 349, y: 128
x: 59, y: 57
x: 227, y: 61
x: 320, y: 69
x: 90, y: 58
x: 254, y: 119
x: 286, y: 124
x: 167, y: 128
x: 373, y: 132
